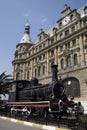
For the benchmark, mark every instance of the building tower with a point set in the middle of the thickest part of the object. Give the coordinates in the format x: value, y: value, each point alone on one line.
x: 21, y: 54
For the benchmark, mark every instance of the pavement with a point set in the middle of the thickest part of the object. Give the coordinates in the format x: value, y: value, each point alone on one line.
x: 45, y: 127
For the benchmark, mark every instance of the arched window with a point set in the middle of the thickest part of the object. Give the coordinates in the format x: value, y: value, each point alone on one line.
x: 17, y: 76
x: 28, y: 75
x: 39, y: 70
x: 35, y: 72
x: 85, y: 10
x: 51, y: 63
x: 60, y: 24
x: 62, y: 63
x: 75, y: 59
x: 61, y: 35
x: 72, y: 17
x: 68, y: 61
x: 68, y: 45
x: 43, y: 70
x: 18, y: 67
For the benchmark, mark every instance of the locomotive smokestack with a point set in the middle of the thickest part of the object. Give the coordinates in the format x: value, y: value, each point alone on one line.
x: 54, y: 72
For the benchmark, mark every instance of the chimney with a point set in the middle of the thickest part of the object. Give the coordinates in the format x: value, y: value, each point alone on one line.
x: 54, y: 72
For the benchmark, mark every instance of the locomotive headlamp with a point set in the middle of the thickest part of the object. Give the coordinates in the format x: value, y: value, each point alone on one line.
x: 52, y: 97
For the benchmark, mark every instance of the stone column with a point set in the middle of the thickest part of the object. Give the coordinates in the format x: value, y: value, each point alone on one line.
x: 32, y: 70
x: 81, y: 50
x: 78, y: 26
x: 58, y: 59
x: 24, y: 71
x: 56, y: 56
x: 14, y: 72
x: 47, y: 66
x: 72, y: 60
x: 55, y: 38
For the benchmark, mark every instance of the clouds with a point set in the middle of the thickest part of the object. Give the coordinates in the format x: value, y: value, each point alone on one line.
x: 44, y: 20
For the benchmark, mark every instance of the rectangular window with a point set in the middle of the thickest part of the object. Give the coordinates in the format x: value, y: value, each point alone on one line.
x: 67, y: 45
x: 51, y: 53
x: 43, y: 56
x: 61, y: 35
x: 85, y: 23
x: 61, y: 48
x: 36, y: 49
x: 74, y: 42
x: 52, y: 41
x: 66, y: 32
x: 73, y: 29
x: 44, y: 45
x: 40, y: 47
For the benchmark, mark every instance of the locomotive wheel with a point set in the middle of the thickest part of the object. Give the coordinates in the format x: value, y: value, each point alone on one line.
x: 27, y: 112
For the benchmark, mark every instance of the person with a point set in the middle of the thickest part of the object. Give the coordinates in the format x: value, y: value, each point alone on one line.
x: 80, y: 108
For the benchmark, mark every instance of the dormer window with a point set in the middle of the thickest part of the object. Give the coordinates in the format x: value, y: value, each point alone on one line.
x: 54, y: 30
x: 85, y: 10
x: 72, y: 17
x: 85, y: 23
x: 60, y: 24
x: 42, y: 35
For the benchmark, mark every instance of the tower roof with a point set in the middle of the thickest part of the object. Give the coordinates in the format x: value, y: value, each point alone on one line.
x: 26, y: 37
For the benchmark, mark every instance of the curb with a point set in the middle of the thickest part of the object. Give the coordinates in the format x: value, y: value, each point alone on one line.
x: 45, y: 127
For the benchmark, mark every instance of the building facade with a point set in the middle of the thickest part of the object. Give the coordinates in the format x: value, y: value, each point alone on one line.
x: 64, y: 44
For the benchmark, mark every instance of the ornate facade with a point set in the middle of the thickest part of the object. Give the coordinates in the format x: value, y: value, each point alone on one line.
x: 64, y: 44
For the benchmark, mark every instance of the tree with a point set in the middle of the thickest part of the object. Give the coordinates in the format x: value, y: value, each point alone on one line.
x: 4, y: 80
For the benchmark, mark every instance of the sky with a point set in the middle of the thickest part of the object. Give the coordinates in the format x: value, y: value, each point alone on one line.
x: 14, y: 14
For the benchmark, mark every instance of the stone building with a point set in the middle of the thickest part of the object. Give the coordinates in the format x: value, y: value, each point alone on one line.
x: 64, y: 44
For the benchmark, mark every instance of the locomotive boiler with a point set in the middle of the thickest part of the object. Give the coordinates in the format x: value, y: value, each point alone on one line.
x: 31, y: 97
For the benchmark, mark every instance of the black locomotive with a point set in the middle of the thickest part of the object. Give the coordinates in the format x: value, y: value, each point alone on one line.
x: 32, y: 97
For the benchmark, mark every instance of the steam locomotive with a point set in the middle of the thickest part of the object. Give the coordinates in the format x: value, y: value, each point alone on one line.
x: 31, y: 97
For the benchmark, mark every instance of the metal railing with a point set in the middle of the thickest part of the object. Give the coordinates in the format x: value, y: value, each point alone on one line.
x: 79, y: 123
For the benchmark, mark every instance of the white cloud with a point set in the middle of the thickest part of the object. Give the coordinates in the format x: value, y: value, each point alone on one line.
x: 44, y: 20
